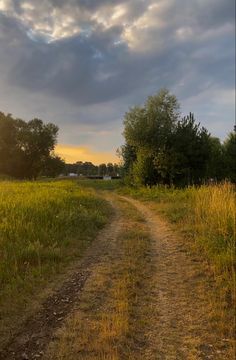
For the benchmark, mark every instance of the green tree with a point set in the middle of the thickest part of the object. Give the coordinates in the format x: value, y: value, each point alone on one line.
x: 127, y: 154
x: 9, y: 149
x: 191, y: 150
x: 151, y: 125
x: 230, y: 156
x: 162, y: 148
x: 215, y: 165
x: 25, y: 147
x: 144, y: 171
x: 110, y: 169
x: 36, y: 141
x: 53, y: 166
x: 148, y: 130
x: 102, y: 169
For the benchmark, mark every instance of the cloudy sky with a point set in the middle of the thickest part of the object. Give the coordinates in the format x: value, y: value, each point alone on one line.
x: 82, y: 63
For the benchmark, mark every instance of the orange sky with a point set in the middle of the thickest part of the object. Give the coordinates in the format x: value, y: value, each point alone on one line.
x: 72, y: 154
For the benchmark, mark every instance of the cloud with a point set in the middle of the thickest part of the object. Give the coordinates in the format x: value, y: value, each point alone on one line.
x: 83, y: 63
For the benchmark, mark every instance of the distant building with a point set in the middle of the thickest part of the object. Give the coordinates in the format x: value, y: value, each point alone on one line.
x: 106, y: 177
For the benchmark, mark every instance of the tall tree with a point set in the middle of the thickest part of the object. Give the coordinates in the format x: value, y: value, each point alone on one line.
x: 25, y: 146
x: 191, y: 150
x: 150, y: 126
x: 230, y: 156
x: 148, y: 130
x: 162, y: 148
x: 102, y: 169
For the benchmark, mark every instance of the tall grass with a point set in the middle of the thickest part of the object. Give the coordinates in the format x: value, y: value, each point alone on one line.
x: 38, y: 221
x: 214, y: 222
x: 43, y: 227
x: 206, y: 215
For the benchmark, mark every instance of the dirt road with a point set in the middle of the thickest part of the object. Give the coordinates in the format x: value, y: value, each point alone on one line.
x: 175, y: 300
x: 182, y: 323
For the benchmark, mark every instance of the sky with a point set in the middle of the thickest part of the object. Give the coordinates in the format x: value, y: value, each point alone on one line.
x: 82, y: 64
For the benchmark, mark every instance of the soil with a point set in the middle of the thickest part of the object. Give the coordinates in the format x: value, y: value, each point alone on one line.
x: 32, y: 338
x: 181, y: 326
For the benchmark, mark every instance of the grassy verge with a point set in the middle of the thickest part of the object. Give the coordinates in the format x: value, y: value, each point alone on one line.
x: 110, y: 321
x: 206, y: 216
x: 44, y: 227
x: 101, y: 184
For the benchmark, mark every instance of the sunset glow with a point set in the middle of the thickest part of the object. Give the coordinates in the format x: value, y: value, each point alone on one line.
x: 72, y: 154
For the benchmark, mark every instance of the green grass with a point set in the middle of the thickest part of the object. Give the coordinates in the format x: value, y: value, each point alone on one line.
x: 102, y: 184
x: 111, y: 318
x: 205, y: 215
x: 44, y: 226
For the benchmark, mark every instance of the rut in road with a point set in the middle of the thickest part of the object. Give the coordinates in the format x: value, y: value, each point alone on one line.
x: 182, y: 326
x: 177, y: 300
x: 36, y: 333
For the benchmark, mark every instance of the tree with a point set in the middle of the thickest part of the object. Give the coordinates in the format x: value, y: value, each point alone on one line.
x: 128, y: 155
x: 110, y: 169
x: 150, y: 126
x: 230, y: 156
x: 9, y: 149
x: 36, y: 141
x: 148, y: 130
x: 25, y: 147
x: 191, y: 151
x: 144, y: 171
x: 215, y: 165
x: 162, y: 148
x: 53, y: 166
x: 102, y: 169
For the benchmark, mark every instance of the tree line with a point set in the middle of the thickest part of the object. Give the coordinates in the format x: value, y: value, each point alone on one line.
x: 163, y: 148
x: 27, y: 152
x: 27, y: 148
x: 87, y: 168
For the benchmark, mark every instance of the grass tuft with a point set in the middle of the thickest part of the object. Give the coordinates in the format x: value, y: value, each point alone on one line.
x: 43, y: 227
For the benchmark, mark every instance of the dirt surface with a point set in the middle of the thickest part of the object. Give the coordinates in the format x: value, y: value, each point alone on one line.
x: 181, y: 326
x: 37, y: 332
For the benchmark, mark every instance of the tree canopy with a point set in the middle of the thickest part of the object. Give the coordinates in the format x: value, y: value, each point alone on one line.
x: 26, y: 148
x: 162, y: 147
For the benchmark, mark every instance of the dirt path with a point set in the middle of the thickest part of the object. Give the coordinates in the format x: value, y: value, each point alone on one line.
x: 178, y: 299
x: 37, y: 332
x: 182, y: 326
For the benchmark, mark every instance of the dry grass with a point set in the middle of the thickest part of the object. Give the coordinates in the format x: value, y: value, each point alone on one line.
x: 206, y: 218
x: 214, y: 220
x: 108, y: 323
x: 205, y: 215
x: 44, y: 226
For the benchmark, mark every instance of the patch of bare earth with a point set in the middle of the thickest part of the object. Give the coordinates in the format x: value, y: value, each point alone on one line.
x: 137, y: 294
x: 182, y: 324
x: 35, y: 334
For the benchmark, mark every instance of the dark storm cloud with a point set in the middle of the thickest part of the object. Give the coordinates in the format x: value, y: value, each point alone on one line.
x: 182, y: 45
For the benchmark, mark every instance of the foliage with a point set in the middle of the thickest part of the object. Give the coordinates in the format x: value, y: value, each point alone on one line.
x: 216, y: 163
x: 144, y: 171
x: 89, y: 169
x: 162, y: 148
x: 149, y: 126
x: 230, y: 156
x: 26, y: 147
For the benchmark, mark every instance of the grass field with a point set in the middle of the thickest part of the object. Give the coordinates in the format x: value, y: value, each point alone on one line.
x: 206, y: 216
x: 111, y: 319
x: 47, y: 225
x: 44, y: 227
